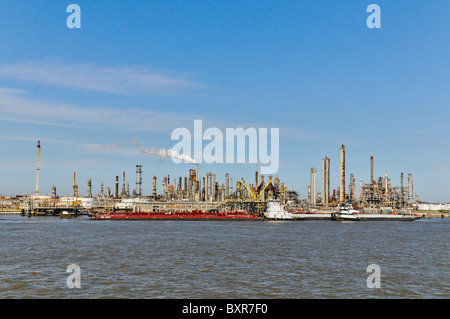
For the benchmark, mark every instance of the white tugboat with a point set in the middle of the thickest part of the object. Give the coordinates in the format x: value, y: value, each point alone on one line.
x: 346, y: 212
x: 276, y: 212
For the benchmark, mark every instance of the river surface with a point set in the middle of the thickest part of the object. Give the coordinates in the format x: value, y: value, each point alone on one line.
x: 222, y: 259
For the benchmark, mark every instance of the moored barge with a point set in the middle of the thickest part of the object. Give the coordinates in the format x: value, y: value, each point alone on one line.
x: 194, y: 215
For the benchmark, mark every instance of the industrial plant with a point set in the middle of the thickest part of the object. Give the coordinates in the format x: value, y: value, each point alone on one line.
x: 375, y: 194
x: 212, y: 193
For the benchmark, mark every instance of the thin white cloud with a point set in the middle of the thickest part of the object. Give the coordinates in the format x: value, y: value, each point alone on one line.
x: 110, y: 149
x: 121, y: 80
x: 18, y: 106
x: 15, y: 107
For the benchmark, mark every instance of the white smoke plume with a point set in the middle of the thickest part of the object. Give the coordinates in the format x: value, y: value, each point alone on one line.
x: 165, y: 153
x: 162, y: 152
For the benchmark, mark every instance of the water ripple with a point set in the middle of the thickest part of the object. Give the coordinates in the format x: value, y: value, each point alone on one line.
x: 176, y: 259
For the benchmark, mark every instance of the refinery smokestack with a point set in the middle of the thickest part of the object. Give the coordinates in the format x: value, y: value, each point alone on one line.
x: 326, y: 179
x: 213, y: 187
x: 38, y: 167
x: 89, y: 188
x: 116, y: 193
x: 401, y: 185
x: 53, y: 191
x: 313, y: 186
x: 138, y: 180
x: 203, y: 190
x: 352, y: 188
x: 386, y: 185
x: 165, y: 186
x: 342, y: 174
x: 371, y: 170
x: 124, y: 192
x: 410, y: 189
x: 74, y: 185
x: 227, y: 184
x: 154, y: 186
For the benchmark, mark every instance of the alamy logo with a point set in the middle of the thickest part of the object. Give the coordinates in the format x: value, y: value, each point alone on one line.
x: 221, y: 147
x: 74, y: 280
x: 374, y: 280
x: 374, y: 20
x: 74, y: 20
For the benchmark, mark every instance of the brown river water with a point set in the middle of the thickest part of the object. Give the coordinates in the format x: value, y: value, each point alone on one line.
x: 222, y: 259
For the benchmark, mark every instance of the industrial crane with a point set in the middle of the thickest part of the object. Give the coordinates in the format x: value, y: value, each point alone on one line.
x: 259, y: 195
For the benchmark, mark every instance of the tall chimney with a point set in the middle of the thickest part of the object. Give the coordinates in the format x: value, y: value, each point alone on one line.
x: 124, y: 191
x: 38, y: 167
x: 89, y: 188
x: 313, y: 186
x: 386, y: 183
x: 165, y: 186
x: 154, y: 186
x: 371, y: 170
x: 410, y: 189
x: 213, y: 189
x: 401, y: 184
x: 352, y: 189
x: 342, y: 174
x: 74, y: 185
x: 227, y: 184
x: 204, y: 190
x: 326, y: 179
x: 116, y: 194
x: 138, y: 180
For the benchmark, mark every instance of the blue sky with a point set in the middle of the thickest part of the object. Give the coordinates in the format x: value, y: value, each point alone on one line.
x: 141, y: 69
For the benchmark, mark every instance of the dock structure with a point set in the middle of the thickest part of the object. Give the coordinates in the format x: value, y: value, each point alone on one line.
x: 47, y: 206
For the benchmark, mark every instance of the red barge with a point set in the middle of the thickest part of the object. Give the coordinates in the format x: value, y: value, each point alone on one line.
x: 194, y: 215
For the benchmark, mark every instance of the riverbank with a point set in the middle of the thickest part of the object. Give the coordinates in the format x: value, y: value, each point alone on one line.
x: 432, y: 214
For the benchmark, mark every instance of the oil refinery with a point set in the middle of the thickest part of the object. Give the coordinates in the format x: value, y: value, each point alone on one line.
x: 220, y: 194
